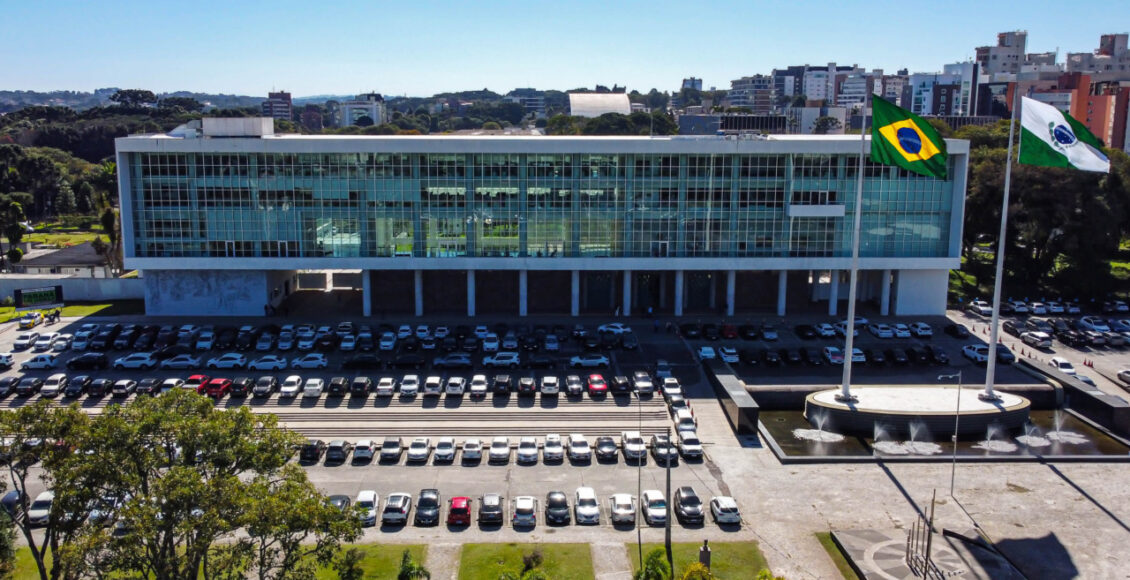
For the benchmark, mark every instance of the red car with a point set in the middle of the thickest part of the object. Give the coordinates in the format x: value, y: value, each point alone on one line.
x: 597, y: 386
x: 459, y: 511
x: 197, y: 382
x: 729, y: 331
x: 217, y: 388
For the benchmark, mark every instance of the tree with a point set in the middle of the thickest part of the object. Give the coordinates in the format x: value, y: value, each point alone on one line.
x: 364, y: 121
x: 697, y: 571
x: 410, y: 569
x: 491, y: 126
x: 291, y: 527
x: 111, y: 224
x: 348, y: 564
x: 12, y: 220
x: 825, y: 125
x: 654, y: 567
x: 188, y: 104
x: 65, y: 203
x: 134, y: 98
x: 7, y: 542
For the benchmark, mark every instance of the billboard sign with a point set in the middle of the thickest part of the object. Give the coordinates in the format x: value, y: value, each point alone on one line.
x: 32, y: 298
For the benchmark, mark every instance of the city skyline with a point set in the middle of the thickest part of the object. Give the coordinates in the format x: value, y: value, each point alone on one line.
x: 251, y: 50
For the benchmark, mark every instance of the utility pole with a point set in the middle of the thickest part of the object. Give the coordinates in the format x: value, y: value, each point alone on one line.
x: 667, y: 534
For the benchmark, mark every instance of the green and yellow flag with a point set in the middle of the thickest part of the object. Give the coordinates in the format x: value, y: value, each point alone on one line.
x: 899, y: 137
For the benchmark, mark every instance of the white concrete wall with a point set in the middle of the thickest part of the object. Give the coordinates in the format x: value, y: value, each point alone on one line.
x: 78, y: 289
x: 920, y: 292
x: 206, y: 292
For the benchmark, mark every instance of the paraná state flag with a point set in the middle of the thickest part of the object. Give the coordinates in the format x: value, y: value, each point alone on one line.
x: 1051, y: 138
x: 901, y: 138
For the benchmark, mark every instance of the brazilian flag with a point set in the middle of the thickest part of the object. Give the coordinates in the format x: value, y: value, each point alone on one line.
x: 899, y: 137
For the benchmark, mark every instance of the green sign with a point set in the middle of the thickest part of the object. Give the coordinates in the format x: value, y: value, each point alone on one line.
x: 38, y: 297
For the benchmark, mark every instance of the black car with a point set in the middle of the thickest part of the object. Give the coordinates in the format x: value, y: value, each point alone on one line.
x: 957, y: 330
x: 99, y: 387
x: 579, y: 331
x: 89, y: 361
x: 327, y: 342
x: 1011, y: 328
x: 148, y: 386
x: 747, y: 332
x: 427, y: 507
x: 127, y: 338
x: 937, y: 355
x: 338, y: 387
x: 812, y: 356
x: 8, y: 385
x: 490, y: 509
x: 619, y: 385
x: 540, y: 361
x: 749, y: 356
x: 875, y: 356
x: 771, y: 357
x: 341, y: 502
x: 805, y: 331
x: 145, y: 341
x: 1004, y: 355
x: 241, y: 386
x: 360, y: 387
x: 29, y: 386
x: 690, y: 330
x: 590, y: 342
x: 501, y: 385
x: 918, y: 355
x: 171, y: 351
x: 312, y: 450
x: 365, y: 343
x: 557, y: 508
x: 77, y: 386
x: 461, y: 331
x: 606, y: 449
x: 529, y: 342
x: 364, y: 360
x: 629, y: 341
x: 1071, y: 338
x: 711, y: 331
x: 688, y: 506
x: 527, y: 387
x: 791, y: 356
x: 897, y: 356
x: 470, y: 344
x: 225, y: 340
x: 449, y: 344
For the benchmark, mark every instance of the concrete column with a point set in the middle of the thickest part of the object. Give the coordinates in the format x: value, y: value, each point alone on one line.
x: 678, y: 292
x: 575, y: 294
x: 885, y: 293
x: 834, y: 292
x: 329, y: 280
x: 713, y: 291
x: 731, y: 281
x: 782, y: 291
x: 522, y: 293
x: 366, y: 294
x: 418, y: 280
x: 627, y: 303
x: 470, y: 293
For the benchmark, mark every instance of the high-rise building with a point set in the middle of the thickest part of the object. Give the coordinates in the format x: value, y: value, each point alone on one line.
x: 1007, y: 56
x: 278, y: 106
x: 532, y: 100
x: 1112, y: 56
x: 755, y: 93
x: 852, y: 88
x: 692, y: 83
x: 951, y: 92
x: 222, y: 222
x: 371, y: 105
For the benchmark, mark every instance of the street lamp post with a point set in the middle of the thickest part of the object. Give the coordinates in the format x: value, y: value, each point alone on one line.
x: 639, y: 478
x: 956, y: 423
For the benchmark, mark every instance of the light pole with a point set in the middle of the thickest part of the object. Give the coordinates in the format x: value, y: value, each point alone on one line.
x: 639, y: 478
x: 956, y: 422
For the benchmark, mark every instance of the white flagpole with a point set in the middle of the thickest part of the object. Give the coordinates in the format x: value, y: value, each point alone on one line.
x: 849, y: 335
x: 991, y: 363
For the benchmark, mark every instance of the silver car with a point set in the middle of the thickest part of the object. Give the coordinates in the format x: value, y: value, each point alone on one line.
x: 623, y: 508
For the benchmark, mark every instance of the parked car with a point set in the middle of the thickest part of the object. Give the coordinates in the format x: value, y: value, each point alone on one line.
x: 459, y: 511
x: 586, y: 507
x: 557, y: 508
x: 688, y: 506
x: 427, y: 507
x: 367, y: 502
x: 490, y: 509
x: 724, y: 510
x: 589, y: 361
x: 499, y: 450
x: 654, y: 507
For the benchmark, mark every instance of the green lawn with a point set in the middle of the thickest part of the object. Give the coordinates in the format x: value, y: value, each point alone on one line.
x: 80, y: 309
x: 61, y: 239
x: 837, y: 556
x: 728, y: 560
x: 487, y: 561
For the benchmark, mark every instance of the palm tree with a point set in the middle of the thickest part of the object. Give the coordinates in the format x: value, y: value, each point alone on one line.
x: 655, y: 566
x: 412, y: 570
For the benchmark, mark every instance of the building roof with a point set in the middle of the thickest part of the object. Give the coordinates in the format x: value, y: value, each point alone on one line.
x: 79, y: 255
x: 597, y: 104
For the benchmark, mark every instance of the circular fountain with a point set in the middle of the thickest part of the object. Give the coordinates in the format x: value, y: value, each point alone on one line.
x: 904, y: 410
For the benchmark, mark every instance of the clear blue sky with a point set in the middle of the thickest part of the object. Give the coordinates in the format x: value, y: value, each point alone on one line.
x: 420, y: 48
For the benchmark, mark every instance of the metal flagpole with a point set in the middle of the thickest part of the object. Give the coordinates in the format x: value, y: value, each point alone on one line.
x: 849, y: 334
x: 991, y: 363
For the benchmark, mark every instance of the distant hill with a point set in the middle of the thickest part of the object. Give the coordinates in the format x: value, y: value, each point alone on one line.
x: 81, y: 101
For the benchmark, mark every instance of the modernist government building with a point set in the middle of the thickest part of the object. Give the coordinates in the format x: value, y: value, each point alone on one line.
x: 221, y: 216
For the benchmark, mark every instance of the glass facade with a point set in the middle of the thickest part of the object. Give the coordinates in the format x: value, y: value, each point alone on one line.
x: 437, y: 205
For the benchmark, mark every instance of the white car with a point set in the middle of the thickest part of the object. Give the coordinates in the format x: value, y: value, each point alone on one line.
x: 706, y: 353
x: 63, y: 342
x: 387, y: 342
x: 310, y: 361
x: 825, y: 330
x: 550, y: 385
x: 589, y: 361
x: 409, y: 386
x: 1017, y: 306
x: 1055, y: 307
x: 53, y: 385
x: 137, y: 360
x: 39, y: 512
x: 654, y: 507
x: 1038, y: 308
x: 728, y: 354
x: 623, y: 508
x: 205, y: 340
x: 1093, y: 323
x: 386, y: 387
x: 670, y: 386
x: 40, y: 362
x: 685, y: 421
x: 614, y: 328
x: 234, y: 360
x: 445, y: 449
x: 422, y: 331
x: 505, y: 359
x: 46, y: 341
x: 441, y: 332
x: 552, y: 449
x: 478, y: 386
x: 313, y: 388
x: 270, y: 362
x: 525, y: 511
x: 490, y: 343
x: 306, y: 340
x: 528, y: 450
x: 481, y: 332
x: 586, y: 509
x: 977, y: 353
x: 433, y: 386
x: 404, y: 331
x: 980, y: 308
x: 901, y: 330
x: 419, y: 450
x: 834, y: 355
x: 348, y: 343
x: 1037, y: 339
x: 725, y: 510
x: 1062, y: 365
x: 921, y: 329
x: 367, y: 502
x: 397, y: 506
x: 579, y: 449
x: 286, y: 340
x: 689, y: 445
x: 841, y: 329
x: 455, y: 386
x: 364, y: 450
x: 290, y: 387
x: 181, y: 362
x: 880, y: 330
x: 499, y: 450
x: 633, y: 445
x: 473, y: 449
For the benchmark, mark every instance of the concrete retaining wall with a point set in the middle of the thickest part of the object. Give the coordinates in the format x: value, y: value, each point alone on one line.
x: 78, y: 289
x: 741, y: 410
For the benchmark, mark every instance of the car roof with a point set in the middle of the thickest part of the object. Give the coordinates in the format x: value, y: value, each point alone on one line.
x: 460, y: 501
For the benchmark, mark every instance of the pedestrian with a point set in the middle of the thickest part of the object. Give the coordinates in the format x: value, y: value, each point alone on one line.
x: 617, y: 311
x: 656, y: 327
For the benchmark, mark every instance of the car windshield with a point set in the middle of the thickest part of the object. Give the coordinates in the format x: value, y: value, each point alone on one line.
x: 524, y: 511
x: 692, y: 500
x: 657, y: 504
x: 41, y: 504
x: 365, y: 504
x: 391, y: 445
x: 586, y: 502
x: 427, y: 501
x: 556, y: 501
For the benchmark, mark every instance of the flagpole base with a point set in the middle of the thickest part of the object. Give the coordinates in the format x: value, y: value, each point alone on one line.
x: 988, y: 397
